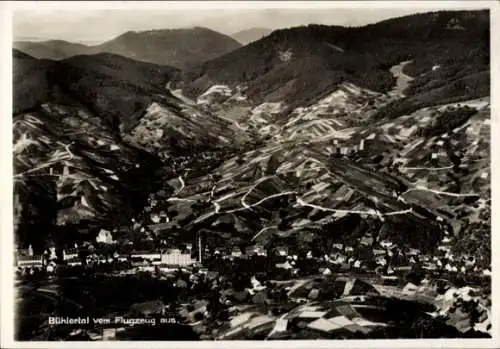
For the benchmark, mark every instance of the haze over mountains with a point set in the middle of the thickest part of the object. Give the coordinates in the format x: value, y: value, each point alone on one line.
x: 174, y: 47
x: 247, y: 36
x: 337, y: 127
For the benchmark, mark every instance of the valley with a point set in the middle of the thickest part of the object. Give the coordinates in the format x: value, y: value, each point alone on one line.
x: 304, y: 160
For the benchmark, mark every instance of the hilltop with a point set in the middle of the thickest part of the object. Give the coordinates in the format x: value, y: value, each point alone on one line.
x: 173, y: 47
x: 51, y: 49
x: 300, y: 65
x: 81, y: 161
x: 348, y: 128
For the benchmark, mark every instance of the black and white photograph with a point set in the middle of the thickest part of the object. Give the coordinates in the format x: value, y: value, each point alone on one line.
x: 243, y: 171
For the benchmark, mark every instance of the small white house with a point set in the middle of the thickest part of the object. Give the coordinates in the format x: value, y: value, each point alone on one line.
x: 236, y: 253
x: 73, y: 262
x: 386, y: 244
x: 380, y: 260
x: 327, y: 271
x: 444, y: 248
x: 285, y: 265
x: 282, y: 251
x: 104, y: 237
x: 414, y: 252
x: 70, y: 254
x: 362, y: 144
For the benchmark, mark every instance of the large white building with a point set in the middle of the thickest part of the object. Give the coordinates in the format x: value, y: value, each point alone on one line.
x: 171, y: 257
x: 29, y: 262
x: 177, y: 258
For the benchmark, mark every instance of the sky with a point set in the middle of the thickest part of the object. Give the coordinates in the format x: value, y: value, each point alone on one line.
x: 98, y: 25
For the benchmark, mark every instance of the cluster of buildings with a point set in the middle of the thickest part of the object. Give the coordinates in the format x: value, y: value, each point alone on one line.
x: 382, y: 257
x: 237, y: 252
x: 446, y: 261
x: 27, y: 262
x: 170, y: 258
x: 391, y: 259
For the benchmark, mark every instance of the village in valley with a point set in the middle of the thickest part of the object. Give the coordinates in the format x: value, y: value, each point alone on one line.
x: 387, y: 258
x: 187, y: 270
x: 317, y: 182
x: 271, y: 282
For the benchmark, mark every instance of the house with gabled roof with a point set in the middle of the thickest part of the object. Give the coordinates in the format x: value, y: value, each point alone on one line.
x: 70, y: 254
x: 256, y: 249
x: 236, y: 252
x: 378, y: 252
x: 282, y: 251
x: 73, y: 262
x: 386, y: 244
x: 413, y: 252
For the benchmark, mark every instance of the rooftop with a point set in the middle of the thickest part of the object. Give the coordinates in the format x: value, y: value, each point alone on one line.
x: 29, y: 258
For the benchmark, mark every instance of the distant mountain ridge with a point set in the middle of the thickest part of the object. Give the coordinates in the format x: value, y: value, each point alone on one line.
x: 250, y: 35
x: 52, y: 49
x: 174, y: 47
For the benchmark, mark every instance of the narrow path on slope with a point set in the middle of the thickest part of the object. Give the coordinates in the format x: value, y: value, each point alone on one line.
x: 439, y: 192
x: 427, y: 168
x: 183, y: 185
x: 50, y: 163
x: 263, y: 230
x: 372, y: 212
